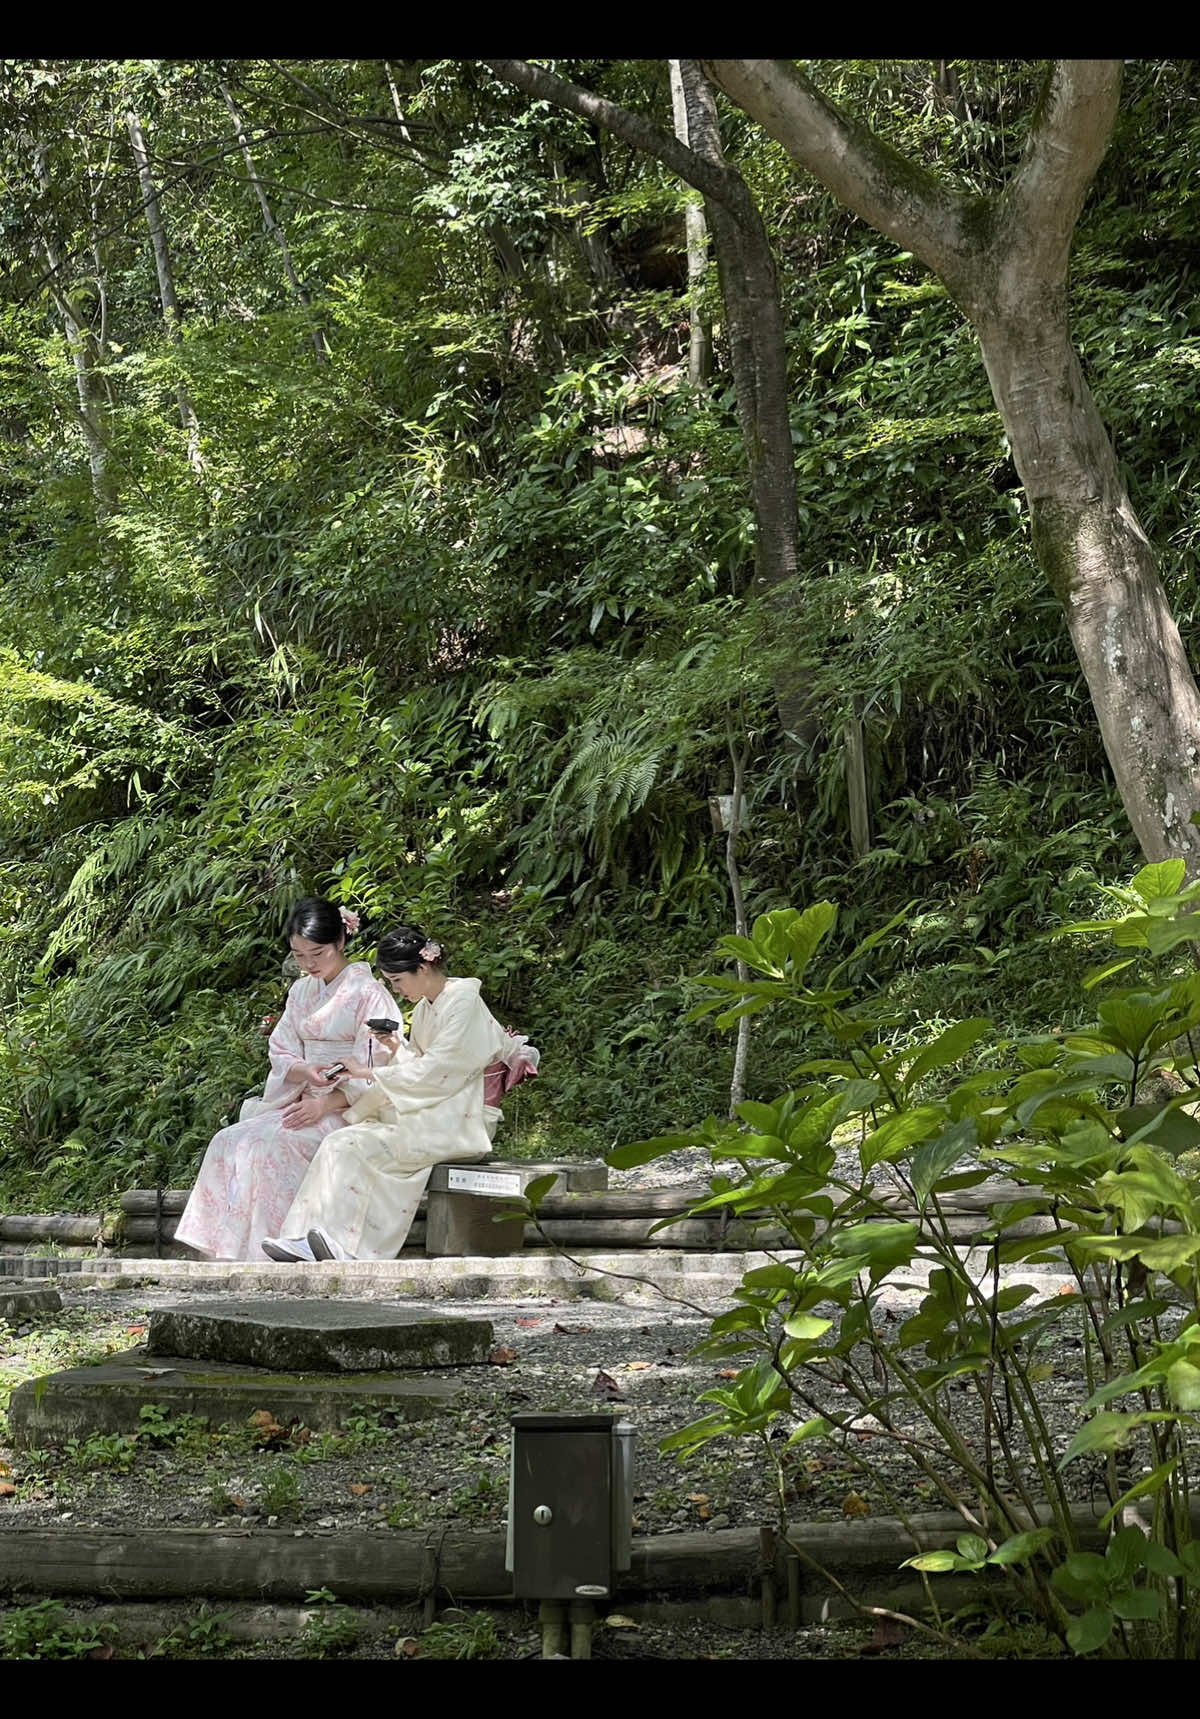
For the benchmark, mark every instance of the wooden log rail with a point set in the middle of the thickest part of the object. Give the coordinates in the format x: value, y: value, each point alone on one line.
x: 604, y: 1219
x: 273, y: 1564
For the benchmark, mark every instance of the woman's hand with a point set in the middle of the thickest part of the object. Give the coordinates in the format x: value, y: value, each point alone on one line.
x: 310, y: 1075
x: 307, y: 1111
x: 356, y: 1070
x: 390, y: 1042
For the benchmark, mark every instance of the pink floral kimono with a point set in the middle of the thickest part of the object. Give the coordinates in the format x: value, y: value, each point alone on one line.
x: 252, y: 1170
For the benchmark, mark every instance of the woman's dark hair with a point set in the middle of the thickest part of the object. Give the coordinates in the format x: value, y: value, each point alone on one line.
x: 399, y: 951
x: 317, y: 921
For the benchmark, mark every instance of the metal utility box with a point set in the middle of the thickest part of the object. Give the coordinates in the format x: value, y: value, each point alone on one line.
x: 570, y: 1505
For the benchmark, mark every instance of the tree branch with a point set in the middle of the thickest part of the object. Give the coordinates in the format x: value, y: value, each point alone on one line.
x: 720, y: 183
x: 1067, y: 143
x: 895, y: 195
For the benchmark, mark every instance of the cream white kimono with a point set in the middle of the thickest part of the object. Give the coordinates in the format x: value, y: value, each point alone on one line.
x: 425, y: 1108
x: 253, y: 1169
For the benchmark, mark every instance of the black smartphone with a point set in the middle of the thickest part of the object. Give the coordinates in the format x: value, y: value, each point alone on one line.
x: 380, y: 1025
x: 334, y: 1069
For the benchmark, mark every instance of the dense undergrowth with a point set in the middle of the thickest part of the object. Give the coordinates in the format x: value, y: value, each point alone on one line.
x: 460, y: 625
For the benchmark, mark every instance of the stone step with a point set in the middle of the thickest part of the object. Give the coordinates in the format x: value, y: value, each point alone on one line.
x: 326, y: 1336
x: 109, y: 1398
x: 18, y: 1304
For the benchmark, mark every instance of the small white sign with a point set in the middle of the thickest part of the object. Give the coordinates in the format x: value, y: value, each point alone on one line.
x: 482, y: 1182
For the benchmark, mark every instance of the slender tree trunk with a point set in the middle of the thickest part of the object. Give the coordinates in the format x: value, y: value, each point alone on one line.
x: 857, y: 793
x: 696, y: 233
x: 272, y: 225
x: 1004, y: 259
x: 166, y: 280
x: 754, y: 318
x: 741, y: 925
x: 85, y: 354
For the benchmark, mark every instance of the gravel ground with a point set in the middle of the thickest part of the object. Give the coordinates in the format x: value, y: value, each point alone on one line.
x: 575, y: 1356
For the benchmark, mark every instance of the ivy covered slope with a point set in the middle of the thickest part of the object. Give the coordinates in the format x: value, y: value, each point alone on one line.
x: 363, y: 533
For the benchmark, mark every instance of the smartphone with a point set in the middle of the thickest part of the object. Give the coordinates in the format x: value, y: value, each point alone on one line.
x: 380, y: 1025
x: 334, y: 1069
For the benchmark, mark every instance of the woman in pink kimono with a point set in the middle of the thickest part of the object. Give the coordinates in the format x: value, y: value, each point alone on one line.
x: 251, y: 1171
x: 423, y: 1105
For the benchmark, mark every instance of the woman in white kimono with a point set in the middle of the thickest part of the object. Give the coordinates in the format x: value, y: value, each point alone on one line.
x: 251, y: 1171
x: 426, y: 1107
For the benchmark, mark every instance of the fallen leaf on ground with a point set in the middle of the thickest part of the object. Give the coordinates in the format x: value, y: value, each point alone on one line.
x: 854, y: 1504
x: 502, y: 1357
x: 134, y: 1330
x: 1067, y: 1289
x: 239, y: 1503
x: 529, y: 1323
x: 727, y: 1372
x: 7, y: 1489
x: 104, y: 1652
x: 704, y: 1513
x: 408, y: 1647
x: 617, y: 1620
x: 359, y: 1489
x: 573, y: 1330
x: 4, y: 1468
x: 698, y: 1498
x: 888, y: 1633
x: 637, y: 1366
x: 607, y: 1386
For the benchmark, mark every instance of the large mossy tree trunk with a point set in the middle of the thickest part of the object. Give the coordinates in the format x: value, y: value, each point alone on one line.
x: 1004, y: 259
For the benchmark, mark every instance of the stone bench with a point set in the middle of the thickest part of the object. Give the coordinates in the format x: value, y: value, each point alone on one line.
x: 464, y: 1201
x: 454, y: 1218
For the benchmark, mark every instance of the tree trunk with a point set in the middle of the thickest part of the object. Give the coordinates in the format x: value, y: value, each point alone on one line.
x: 1103, y: 570
x: 741, y: 925
x: 166, y: 280
x: 85, y: 354
x: 696, y: 231
x: 1004, y: 260
x: 272, y: 225
x: 857, y: 792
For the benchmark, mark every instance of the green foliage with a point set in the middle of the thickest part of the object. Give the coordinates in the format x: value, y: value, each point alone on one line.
x: 456, y: 621
x: 43, y: 1631
x: 1064, y: 1117
x: 472, y: 1636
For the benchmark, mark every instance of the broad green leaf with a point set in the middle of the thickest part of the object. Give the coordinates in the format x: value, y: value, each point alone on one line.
x: 948, y: 1048
x: 1162, y: 878
x: 1183, y: 1382
x: 1161, y: 1561
x: 938, y: 1155
x: 972, y: 1547
x: 1109, y: 1431
x: 818, y: 1427
x: 1145, y: 1487
x: 806, y: 1326
x: 1019, y: 1548
x: 934, y: 1561
x: 1125, y: 1553
x: 879, y: 1245
x: 1140, y: 1604
x: 1133, y: 1313
x: 893, y: 1138
x: 1092, y: 1630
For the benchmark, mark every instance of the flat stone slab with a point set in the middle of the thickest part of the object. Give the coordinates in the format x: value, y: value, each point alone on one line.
x: 573, y: 1178
x: 330, y: 1336
x: 109, y: 1398
x: 17, y: 1304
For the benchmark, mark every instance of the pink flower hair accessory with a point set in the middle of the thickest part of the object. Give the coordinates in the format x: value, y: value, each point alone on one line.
x: 349, y: 918
x: 431, y: 951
